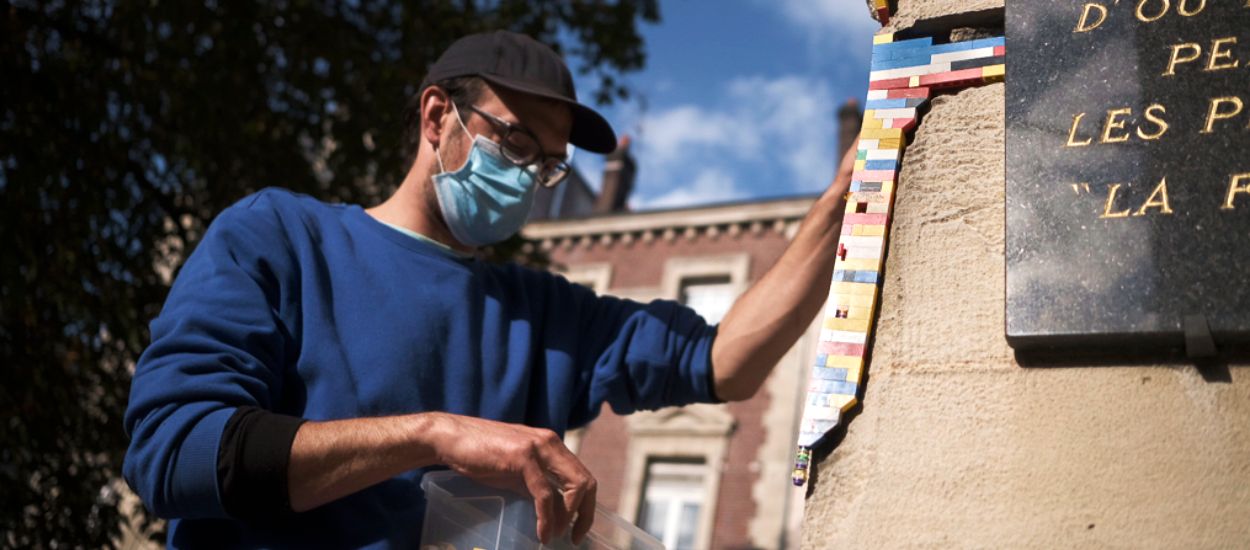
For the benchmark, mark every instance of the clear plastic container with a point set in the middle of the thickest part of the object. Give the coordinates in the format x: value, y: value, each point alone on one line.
x: 461, y: 514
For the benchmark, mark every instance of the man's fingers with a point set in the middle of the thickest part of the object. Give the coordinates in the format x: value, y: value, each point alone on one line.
x: 585, y: 512
x: 544, y: 501
x: 578, y: 485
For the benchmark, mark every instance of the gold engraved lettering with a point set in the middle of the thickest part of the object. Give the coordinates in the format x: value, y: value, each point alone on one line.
x: 1176, y: 59
x: 1115, y: 123
x: 1141, y: 15
x: 1158, y: 199
x: 1234, y: 188
x: 1106, y: 209
x: 1076, y: 121
x: 1150, y: 116
x: 1214, y: 113
x: 1202, y: 4
x: 1084, y: 25
x: 1217, y: 54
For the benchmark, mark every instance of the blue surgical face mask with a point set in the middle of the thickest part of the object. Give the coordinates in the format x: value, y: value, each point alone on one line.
x: 488, y: 199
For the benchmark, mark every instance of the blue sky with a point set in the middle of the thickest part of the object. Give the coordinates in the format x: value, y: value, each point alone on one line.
x: 738, y: 99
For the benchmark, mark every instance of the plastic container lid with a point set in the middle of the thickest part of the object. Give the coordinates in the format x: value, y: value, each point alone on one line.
x: 461, y: 514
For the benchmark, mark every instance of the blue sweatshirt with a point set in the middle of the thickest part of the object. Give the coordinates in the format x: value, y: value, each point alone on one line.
x: 321, y: 312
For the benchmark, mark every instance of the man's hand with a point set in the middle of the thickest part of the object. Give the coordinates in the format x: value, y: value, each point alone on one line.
x: 330, y: 460
x: 527, y: 460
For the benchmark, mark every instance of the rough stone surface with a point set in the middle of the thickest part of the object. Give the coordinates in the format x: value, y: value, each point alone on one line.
x: 908, y: 12
x: 960, y: 446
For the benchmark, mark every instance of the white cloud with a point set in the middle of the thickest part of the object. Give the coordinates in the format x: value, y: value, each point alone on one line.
x: 757, y: 137
x: 821, y: 16
x: 709, y: 186
x: 674, y: 131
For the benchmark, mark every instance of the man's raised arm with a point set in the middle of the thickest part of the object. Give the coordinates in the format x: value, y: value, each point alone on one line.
x: 774, y: 312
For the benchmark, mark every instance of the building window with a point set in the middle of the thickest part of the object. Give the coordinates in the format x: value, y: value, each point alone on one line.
x: 672, y: 501
x: 710, y: 296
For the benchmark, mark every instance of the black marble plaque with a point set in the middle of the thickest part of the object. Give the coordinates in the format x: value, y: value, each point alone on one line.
x: 1128, y: 173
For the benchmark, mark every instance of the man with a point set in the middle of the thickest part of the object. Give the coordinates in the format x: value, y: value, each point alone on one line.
x: 313, y: 360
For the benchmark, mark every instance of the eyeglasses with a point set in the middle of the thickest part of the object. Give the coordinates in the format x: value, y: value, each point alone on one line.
x: 520, y: 146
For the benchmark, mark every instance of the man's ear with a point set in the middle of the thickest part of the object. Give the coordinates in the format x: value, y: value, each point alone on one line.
x: 435, y: 104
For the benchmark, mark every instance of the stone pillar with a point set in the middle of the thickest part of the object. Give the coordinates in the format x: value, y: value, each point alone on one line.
x: 958, y: 444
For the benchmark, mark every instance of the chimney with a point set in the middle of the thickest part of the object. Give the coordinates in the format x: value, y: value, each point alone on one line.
x: 849, y: 120
x: 618, y: 179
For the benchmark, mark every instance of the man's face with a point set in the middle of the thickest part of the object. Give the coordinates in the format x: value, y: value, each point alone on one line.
x: 549, y: 121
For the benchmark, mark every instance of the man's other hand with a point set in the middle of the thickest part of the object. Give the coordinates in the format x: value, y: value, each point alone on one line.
x: 528, y: 460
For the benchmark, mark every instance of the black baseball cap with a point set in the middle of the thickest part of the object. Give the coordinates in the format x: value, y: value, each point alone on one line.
x: 520, y: 63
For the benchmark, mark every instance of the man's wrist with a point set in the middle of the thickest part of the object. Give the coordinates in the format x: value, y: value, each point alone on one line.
x: 424, y: 435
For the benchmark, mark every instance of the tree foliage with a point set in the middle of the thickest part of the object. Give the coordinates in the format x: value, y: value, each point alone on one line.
x: 126, y: 125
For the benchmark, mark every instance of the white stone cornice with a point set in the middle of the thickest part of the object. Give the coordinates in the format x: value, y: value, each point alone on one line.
x: 773, y: 213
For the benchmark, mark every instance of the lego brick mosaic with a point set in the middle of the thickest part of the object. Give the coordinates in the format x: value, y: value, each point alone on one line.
x: 1128, y: 175
x: 904, y: 75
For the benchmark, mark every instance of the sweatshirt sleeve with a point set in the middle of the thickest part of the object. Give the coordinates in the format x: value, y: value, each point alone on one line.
x: 218, y: 344
x: 644, y: 356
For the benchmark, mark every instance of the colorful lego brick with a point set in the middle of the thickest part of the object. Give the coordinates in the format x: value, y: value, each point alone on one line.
x: 900, y: 62
x: 922, y: 93
x: 994, y: 71
x: 889, y: 84
x: 833, y: 386
x: 885, y: 38
x: 881, y: 154
x: 885, y: 134
x: 850, y: 325
x: 866, y: 230
x: 859, y: 289
x: 856, y: 276
x: 902, y: 123
x: 951, y: 47
x: 866, y: 219
x: 898, y: 45
x: 951, y: 78
x: 860, y: 265
x: 974, y: 63
x: 842, y: 402
x: 860, y: 186
x: 852, y: 301
x: 825, y: 373
x: 850, y: 362
x: 874, y: 105
x: 840, y: 348
x: 952, y: 57
x: 907, y: 112
x: 839, y: 335
x: 908, y: 72
x: 862, y: 241
x: 873, y: 175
